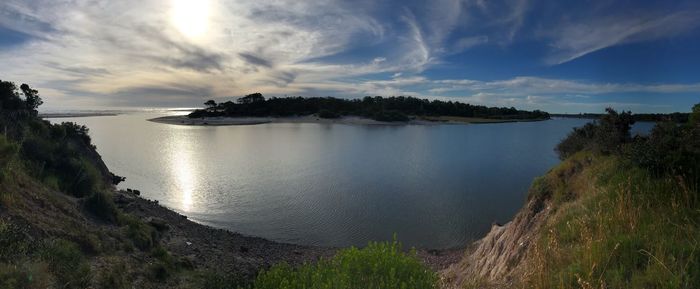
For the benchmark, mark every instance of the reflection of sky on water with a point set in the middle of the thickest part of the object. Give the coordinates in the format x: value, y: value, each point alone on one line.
x: 337, y: 185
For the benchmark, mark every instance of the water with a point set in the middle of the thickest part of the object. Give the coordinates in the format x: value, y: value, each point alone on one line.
x: 334, y: 185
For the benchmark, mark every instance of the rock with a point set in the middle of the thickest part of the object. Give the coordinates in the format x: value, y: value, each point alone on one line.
x: 158, y: 223
x: 121, y: 199
x: 137, y: 192
x: 243, y: 249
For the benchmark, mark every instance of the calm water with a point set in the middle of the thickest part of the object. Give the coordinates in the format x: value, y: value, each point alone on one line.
x: 334, y: 185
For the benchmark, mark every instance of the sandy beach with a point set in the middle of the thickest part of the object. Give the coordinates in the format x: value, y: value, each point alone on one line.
x: 350, y: 120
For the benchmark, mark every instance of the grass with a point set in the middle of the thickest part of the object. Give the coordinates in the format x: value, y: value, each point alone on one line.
x: 67, y: 263
x: 102, y: 205
x: 379, y: 265
x: 622, y: 228
x: 13, y: 241
x: 115, y: 276
x: 142, y: 235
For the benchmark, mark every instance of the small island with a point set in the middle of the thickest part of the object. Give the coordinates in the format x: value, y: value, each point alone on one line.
x: 397, y: 110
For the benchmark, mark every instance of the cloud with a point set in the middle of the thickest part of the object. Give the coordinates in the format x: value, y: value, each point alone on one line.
x: 571, y: 40
x: 87, y: 52
x: 255, y: 60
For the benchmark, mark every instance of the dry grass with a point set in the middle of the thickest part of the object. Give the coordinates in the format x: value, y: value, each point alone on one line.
x: 617, y: 227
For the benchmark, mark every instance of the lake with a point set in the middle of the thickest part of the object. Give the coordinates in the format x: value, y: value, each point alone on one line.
x: 437, y: 186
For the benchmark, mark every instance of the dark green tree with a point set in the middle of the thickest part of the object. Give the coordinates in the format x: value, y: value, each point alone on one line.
x: 210, y: 103
x: 31, y: 96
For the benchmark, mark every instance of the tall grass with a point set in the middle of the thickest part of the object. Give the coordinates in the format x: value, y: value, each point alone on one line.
x: 628, y: 229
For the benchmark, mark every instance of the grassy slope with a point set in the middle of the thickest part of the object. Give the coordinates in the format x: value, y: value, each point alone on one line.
x: 615, y: 226
x: 49, y: 240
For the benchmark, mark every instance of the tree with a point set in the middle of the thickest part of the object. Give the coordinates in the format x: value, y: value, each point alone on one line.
x: 695, y: 115
x: 9, y: 99
x: 210, y: 103
x: 251, y: 98
x: 32, y: 98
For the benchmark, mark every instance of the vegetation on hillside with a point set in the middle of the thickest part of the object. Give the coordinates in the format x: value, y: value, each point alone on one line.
x: 59, y: 225
x: 378, y: 108
x: 377, y: 266
x: 628, y: 209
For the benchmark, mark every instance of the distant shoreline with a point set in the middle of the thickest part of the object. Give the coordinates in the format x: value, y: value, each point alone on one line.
x: 76, y: 114
x: 350, y: 120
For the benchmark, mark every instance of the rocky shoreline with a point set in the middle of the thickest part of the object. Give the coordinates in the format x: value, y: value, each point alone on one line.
x: 233, y: 253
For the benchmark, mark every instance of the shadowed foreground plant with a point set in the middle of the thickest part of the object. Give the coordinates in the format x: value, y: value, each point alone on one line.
x: 377, y: 266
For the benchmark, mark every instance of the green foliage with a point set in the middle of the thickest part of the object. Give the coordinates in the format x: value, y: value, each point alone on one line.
x: 142, y: 235
x: 632, y: 230
x: 694, y: 118
x: 165, y: 265
x: 378, y: 266
x: 101, y: 204
x: 32, y: 99
x: 607, y: 135
x: 67, y: 264
x: 61, y: 154
x: 670, y: 149
x: 379, y: 108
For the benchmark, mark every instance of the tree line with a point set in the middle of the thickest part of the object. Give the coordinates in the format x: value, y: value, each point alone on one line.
x: 395, y: 108
x: 672, y: 147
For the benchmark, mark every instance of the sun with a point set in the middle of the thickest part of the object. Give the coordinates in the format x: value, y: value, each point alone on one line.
x: 190, y: 17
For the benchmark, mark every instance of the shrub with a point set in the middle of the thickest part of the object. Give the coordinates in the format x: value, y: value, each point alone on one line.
x: 164, y: 266
x: 670, y: 149
x: 102, y: 205
x: 606, y: 135
x: 67, y: 264
x: 142, y: 235
x: 378, y: 266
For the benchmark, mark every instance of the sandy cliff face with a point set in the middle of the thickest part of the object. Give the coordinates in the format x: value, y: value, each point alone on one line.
x: 499, y: 258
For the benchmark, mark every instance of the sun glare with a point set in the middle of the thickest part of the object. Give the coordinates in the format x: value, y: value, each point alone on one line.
x: 190, y: 17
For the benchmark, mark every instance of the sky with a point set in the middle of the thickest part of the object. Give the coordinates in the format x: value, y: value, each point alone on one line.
x: 557, y: 56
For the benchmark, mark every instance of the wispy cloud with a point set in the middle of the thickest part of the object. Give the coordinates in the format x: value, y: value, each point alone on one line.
x: 90, y: 52
x: 571, y: 40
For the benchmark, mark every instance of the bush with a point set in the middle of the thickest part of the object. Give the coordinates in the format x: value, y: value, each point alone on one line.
x: 378, y: 266
x: 67, y: 264
x: 606, y: 135
x: 670, y: 149
x: 142, y: 235
x: 165, y: 265
x: 102, y: 205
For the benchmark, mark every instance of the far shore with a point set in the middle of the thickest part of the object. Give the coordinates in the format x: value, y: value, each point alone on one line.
x: 76, y: 114
x: 351, y: 120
